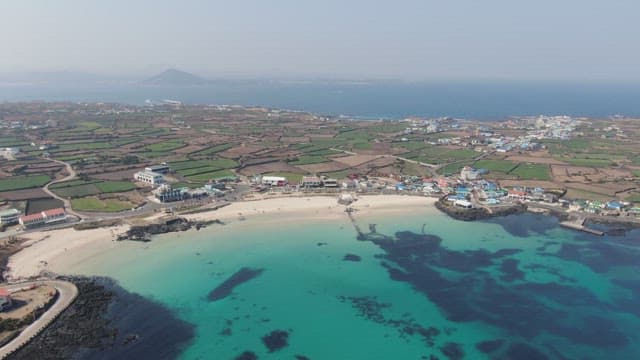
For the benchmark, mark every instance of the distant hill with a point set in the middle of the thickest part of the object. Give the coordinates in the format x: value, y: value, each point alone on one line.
x: 173, y: 77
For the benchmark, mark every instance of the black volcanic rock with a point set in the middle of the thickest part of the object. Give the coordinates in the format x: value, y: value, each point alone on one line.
x: 173, y: 77
x: 107, y: 322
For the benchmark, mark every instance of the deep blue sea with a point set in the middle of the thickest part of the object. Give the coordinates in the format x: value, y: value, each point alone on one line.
x: 470, y: 100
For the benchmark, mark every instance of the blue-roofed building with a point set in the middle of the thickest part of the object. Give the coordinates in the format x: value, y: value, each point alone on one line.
x: 615, y: 205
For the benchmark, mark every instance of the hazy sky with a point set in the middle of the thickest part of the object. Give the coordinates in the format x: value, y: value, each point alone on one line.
x: 410, y: 39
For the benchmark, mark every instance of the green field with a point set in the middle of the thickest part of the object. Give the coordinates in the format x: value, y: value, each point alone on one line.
x: 213, y: 150
x: 291, y: 177
x: 115, y: 186
x: 211, y: 175
x: 503, y: 166
x: 440, y: 155
x: 23, y: 182
x: 450, y: 169
x: 339, y: 174
x: 97, y: 205
x: 165, y: 146
x: 588, y: 162
x: 306, y: 160
x: 531, y: 172
x: 80, y: 188
x: 77, y: 191
x: 71, y: 183
x: 362, y: 146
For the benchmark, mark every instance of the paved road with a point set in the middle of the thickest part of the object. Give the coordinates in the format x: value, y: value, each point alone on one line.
x: 72, y: 175
x: 67, y: 292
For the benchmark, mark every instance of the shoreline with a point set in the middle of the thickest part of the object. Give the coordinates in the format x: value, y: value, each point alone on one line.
x: 60, y: 251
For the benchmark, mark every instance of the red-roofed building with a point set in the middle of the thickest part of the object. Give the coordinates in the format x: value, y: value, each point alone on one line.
x: 518, y: 195
x: 42, y: 218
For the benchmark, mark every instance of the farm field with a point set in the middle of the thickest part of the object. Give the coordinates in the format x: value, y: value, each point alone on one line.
x: 23, y: 182
x: 531, y: 172
x: 93, y: 204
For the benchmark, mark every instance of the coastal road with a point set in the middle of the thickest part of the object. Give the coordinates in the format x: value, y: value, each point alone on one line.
x: 67, y: 293
x: 72, y: 175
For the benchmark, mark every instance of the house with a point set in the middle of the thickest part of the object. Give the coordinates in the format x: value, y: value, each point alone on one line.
x: 9, y: 216
x: 46, y: 217
x: 166, y: 193
x: 273, y: 181
x: 160, y: 169
x: 310, y: 181
x: 517, y: 194
x: 5, y: 299
x: 468, y: 173
x: 614, y: 205
x: 31, y: 220
x: 54, y: 215
x: 149, y: 177
x: 330, y: 183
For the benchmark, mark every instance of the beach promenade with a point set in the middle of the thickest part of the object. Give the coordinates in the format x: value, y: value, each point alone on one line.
x: 67, y: 293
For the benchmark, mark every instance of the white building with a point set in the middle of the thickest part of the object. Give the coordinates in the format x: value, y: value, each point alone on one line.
x: 463, y: 204
x: 160, y: 169
x: 330, y: 183
x: 149, y: 177
x: 9, y: 216
x: 310, y: 181
x: 468, y: 173
x: 273, y: 180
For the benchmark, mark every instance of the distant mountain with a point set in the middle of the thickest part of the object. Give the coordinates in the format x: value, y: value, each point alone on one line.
x: 173, y: 77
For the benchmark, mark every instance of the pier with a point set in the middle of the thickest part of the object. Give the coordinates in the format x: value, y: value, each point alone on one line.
x: 578, y: 224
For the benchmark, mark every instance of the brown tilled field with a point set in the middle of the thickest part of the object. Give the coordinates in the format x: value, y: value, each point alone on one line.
x: 355, y: 160
x: 330, y: 166
x: 26, y: 194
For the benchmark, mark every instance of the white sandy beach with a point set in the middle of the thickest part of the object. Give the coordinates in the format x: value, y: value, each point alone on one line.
x: 59, y: 250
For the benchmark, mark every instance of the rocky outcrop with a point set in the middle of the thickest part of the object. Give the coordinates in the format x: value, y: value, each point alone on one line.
x: 144, y: 232
x: 478, y: 213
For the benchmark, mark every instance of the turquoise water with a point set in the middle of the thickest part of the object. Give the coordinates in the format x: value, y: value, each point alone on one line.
x: 533, y: 289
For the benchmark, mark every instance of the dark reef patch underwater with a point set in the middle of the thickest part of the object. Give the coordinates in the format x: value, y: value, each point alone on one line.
x: 241, y: 276
x: 540, y: 319
x: 107, y: 322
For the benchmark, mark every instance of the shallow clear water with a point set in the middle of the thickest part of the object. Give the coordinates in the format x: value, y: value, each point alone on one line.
x: 533, y: 289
